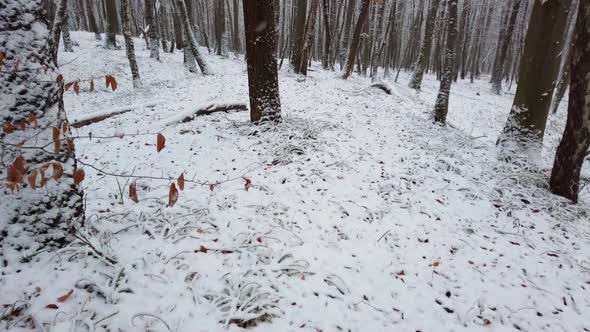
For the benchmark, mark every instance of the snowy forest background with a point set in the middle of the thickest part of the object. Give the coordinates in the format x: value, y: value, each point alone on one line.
x: 279, y: 165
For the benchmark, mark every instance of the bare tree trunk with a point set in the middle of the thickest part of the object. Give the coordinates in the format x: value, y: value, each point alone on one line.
x: 299, y: 35
x: 308, y: 38
x: 92, y: 19
x: 192, y: 43
x: 327, y: 35
x: 263, y: 81
x: 110, y: 41
x: 345, y: 41
x: 153, y: 30
x: 424, y: 54
x: 33, y: 219
x: 503, y: 49
x: 56, y: 30
x: 237, y: 34
x: 65, y: 31
x: 129, y: 47
x: 441, y: 106
x: 219, y: 26
x: 566, y: 60
x: 538, y: 71
x: 356, y: 39
x: 565, y: 177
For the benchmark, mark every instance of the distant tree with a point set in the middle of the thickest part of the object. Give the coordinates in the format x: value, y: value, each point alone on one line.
x: 219, y: 26
x: 424, y: 53
x: 129, y: 46
x: 503, y: 48
x: 441, y: 106
x: 192, y: 43
x: 56, y: 30
x: 152, y: 25
x: 301, y: 67
x: 573, y: 148
x: 261, y: 39
x: 356, y: 39
x: 539, y: 67
x: 92, y: 19
x: 298, y: 35
x: 110, y: 41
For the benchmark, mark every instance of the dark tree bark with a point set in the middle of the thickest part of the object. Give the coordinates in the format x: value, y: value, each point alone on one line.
x: 236, y: 37
x: 538, y: 72
x: 56, y: 30
x: 298, y: 35
x: 263, y: 82
x: 503, y: 48
x: 441, y: 106
x: 129, y: 46
x: 92, y: 19
x: 566, y: 60
x: 356, y: 39
x: 110, y: 41
x: 327, y: 34
x: 424, y: 54
x: 46, y: 217
x: 153, y: 30
x: 301, y: 68
x: 565, y: 177
x: 345, y: 41
x: 219, y: 26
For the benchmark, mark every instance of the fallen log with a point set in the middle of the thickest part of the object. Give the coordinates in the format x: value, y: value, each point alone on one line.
x: 213, y: 108
x: 382, y: 86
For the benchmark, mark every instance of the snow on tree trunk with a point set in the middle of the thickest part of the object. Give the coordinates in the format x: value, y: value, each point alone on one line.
x: 129, y: 47
x: 441, y: 106
x: 194, y: 48
x: 110, y: 41
x: 424, y: 54
x: 261, y: 39
x: 30, y: 98
x: 566, y: 60
x: 356, y: 39
x: 539, y: 67
x: 91, y: 19
x: 565, y: 177
x: 503, y: 49
x: 219, y: 26
x: 153, y: 30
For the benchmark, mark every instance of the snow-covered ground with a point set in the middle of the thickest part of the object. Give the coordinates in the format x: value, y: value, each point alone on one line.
x: 362, y: 214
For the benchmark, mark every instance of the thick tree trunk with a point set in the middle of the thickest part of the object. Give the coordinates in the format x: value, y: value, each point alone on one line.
x: 503, y: 49
x: 538, y: 72
x: 263, y: 82
x: 345, y: 41
x: 65, y: 31
x: 129, y: 47
x: 192, y: 43
x: 327, y: 35
x: 441, y: 106
x: 92, y: 19
x: 33, y: 219
x: 153, y: 30
x: 356, y: 39
x: 424, y: 54
x: 110, y: 41
x: 565, y: 177
x: 299, y: 35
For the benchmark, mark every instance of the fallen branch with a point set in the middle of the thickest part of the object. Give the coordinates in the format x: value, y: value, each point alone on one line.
x: 383, y: 87
x: 213, y: 108
x: 98, y: 118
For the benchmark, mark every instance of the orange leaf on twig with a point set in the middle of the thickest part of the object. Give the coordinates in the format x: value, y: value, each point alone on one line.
x: 247, y: 184
x: 33, y: 179
x: 79, y: 176
x: 181, y: 181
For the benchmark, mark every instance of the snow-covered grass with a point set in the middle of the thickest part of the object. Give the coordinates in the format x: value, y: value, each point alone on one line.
x: 362, y: 214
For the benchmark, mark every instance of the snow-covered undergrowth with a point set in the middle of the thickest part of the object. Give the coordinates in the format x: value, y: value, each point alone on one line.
x: 361, y: 216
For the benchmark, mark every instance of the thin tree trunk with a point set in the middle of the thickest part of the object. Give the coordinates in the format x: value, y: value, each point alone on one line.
x: 153, y: 30
x: 219, y: 26
x: 503, y: 49
x: 566, y: 60
x: 299, y: 35
x: 56, y: 30
x: 424, y: 54
x: 441, y: 106
x: 327, y: 34
x: 192, y: 43
x: 65, y: 31
x: 565, y: 177
x: 236, y: 39
x: 263, y: 82
x: 308, y: 39
x: 129, y: 47
x: 356, y: 39
x: 92, y: 19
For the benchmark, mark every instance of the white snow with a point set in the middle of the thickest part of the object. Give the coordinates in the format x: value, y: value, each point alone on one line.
x: 362, y: 215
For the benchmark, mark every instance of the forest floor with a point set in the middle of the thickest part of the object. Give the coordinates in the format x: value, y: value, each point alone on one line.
x: 359, y: 214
